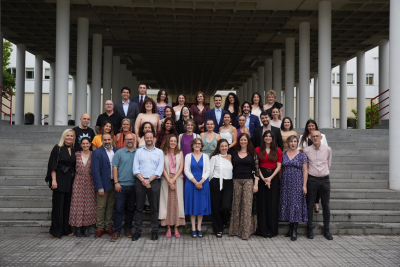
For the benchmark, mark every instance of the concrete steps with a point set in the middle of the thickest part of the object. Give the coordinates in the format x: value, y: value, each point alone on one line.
x: 361, y: 202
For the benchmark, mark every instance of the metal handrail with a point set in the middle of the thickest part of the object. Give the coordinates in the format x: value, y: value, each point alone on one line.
x: 373, y: 113
x: 9, y: 107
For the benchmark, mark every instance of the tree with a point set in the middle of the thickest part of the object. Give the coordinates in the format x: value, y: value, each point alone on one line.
x: 8, y: 78
x: 368, y: 115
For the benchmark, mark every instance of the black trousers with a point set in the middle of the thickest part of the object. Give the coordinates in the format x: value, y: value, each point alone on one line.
x: 324, y: 187
x: 221, y: 203
x: 60, y: 214
x: 153, y: 194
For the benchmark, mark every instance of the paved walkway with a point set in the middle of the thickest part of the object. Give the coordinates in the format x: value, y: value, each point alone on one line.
x: 41, y: 250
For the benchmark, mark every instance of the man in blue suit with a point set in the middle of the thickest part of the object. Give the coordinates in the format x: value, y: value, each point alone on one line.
x: 252, y: 121
x: 104, y: 185
x: 216, y: 113
x: 142, y: 95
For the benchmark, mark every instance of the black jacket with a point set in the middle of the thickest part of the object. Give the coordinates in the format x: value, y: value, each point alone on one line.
x: 257, y: 136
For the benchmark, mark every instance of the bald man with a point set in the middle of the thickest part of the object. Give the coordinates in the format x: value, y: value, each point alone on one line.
x: 83, y: 130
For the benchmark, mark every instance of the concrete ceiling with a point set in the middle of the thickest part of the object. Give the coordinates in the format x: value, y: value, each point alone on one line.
x: 203, y: 45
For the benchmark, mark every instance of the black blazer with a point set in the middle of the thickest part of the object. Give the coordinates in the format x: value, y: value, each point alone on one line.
x: 137, y: 100
x: 133, y: 111
x: 257, y: 136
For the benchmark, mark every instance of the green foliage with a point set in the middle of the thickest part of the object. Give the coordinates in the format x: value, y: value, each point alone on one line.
x: 368, y: 115
x: 8, y: 79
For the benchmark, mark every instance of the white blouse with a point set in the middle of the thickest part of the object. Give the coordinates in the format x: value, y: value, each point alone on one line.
x: 177, y: 115
x: 257, y: 112
x: 206, y: 166
x: 226, y: 134
x: 221, y: 169
x: 273, y: 123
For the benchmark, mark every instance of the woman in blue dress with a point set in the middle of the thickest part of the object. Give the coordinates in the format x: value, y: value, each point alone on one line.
x: 197, y: 187
x: 293, y: 204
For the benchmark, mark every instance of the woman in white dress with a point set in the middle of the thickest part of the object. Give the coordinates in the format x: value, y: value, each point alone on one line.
x: 180, y: 102
x: 257, y: 105
x: 228, y: 132
x: 275, y: 121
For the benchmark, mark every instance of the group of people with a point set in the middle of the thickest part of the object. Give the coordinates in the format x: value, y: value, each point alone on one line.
x: 242, y: 164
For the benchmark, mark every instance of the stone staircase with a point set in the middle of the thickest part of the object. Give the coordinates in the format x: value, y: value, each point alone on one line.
x: 361, y: 202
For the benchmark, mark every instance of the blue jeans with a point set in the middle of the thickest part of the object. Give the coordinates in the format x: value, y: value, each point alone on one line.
x: 124, y: 201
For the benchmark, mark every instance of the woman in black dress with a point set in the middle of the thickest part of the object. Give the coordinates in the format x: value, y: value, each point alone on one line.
x: 232, y: 106
x: 61, y: 167
x: 184, y: 116
x: 271, y: 103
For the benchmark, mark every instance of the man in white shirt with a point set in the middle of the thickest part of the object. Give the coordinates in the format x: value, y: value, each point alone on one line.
x: 216, y: 113
x: 126, y: 108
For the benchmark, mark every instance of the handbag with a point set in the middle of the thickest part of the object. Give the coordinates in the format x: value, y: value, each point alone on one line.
x: 49, y: 179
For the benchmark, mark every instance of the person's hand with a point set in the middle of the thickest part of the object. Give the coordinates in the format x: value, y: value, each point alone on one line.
x: 146, y: 183
x: 255, y: 188
x: 101, y: 192
x: 172, y: 186
x: 199, y: 185
x: 304, y: 190
x: 118, y: 187
x: 54, y: 184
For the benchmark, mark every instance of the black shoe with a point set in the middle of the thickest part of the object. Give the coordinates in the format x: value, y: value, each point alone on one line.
x: 86, y: 231
x: 154, y: 236
x: 294, y: 234
x: 289, y: 233
x: 78, y: 231
x: 327, y: 234
x: 136, y: 236
x: 310, y: 234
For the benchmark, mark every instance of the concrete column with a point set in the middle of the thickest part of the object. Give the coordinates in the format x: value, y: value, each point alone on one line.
x: 315, y: 76
x: 343, y: 94
x: 62, y: 62
x: 361, y: 90
x: 255, y: 83
x: 96, y: 77
x: 394, y: 85
x: 244, y: 94
x: 20, y: 86
x: 52, y: 85
x: 261, y: 81
x: 89, y: 96
x: 268, y: 75
x: 115, y: 78
x: 289, y: 77
x: 128, y: 79
x: 298, y: 122
x: 277, y: 73
x: 324, y: 64
x: 73, y: 100
x: 107, y: 74
x: 383, y: 76
x: 38, y: 87
x: 249, y: 89
x: 82, y: 68
x: 122, y: 83
x: 304, y: 73
x: 283, y: 97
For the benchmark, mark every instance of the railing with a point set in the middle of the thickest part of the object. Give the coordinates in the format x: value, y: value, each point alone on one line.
x: 9, y: 99
x: 373, y: 113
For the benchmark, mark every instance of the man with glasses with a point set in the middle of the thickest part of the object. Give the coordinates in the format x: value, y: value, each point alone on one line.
x: 319, y: 161
x: 124, y: 184
x: 109, y: 115
x: 148, y: 166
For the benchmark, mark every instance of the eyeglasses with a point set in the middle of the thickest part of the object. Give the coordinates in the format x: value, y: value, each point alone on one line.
x: 109, y: 104
x: 129, y: 140
x: 197, y: 144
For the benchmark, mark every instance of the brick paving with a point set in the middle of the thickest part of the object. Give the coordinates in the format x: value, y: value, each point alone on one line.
x: 41, y: 250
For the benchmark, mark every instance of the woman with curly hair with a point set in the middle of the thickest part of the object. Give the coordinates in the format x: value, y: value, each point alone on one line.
x: 162, y: 102
x: 167, y: 129
x: 148, y: 112
x: 232, y: 105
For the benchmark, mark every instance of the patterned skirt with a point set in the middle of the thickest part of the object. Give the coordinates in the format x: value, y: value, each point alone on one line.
x: 83, y: 203
x: 173, y: 207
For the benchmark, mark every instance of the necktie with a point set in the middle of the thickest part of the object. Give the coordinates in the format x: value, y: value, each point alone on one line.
x: 141, y: 100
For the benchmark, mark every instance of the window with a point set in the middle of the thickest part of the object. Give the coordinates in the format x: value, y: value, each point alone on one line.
x: 335, y: 78
x: 29, y: 74
x: 12, y: 71
x: 369, y: 79
x: 350, y: 78
x: 338, y: 78
x: 47, y: 74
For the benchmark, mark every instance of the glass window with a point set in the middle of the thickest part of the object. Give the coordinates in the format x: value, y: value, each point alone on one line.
x: 333, y: 78
x: 12, y: 71
x: 369, y: 79
x: 337, y: 78
x: 47, y: 74
x: 29, y: 74
x: 350, y: 78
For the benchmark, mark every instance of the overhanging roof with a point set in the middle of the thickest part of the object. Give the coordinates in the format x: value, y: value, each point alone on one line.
x: 203, y: 45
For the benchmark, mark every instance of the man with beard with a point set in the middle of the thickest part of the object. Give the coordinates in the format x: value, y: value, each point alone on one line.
x: 104, y: 185
x: 258, y: 133
x: 148, y: 166
x: 252, y: 121
x: 83, y: 130
x: 124, y: 184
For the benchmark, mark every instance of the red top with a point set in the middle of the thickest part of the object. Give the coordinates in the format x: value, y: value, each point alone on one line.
x: 269, y: 164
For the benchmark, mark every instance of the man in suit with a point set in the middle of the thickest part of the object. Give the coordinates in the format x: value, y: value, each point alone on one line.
x: 252, y: 121
x: 142, y: 95
x: 104, y: 185
x: 216, y: 113
x: 258, y: 133
x: 126, y: 108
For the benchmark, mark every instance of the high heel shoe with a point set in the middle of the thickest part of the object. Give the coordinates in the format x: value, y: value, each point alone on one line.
x: 168, y: 229
x: 177, y: 234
